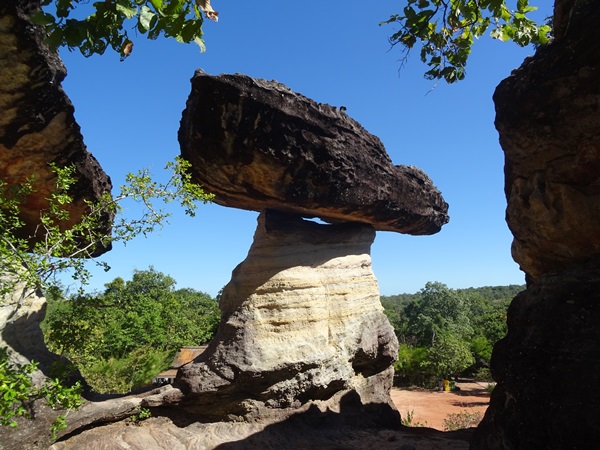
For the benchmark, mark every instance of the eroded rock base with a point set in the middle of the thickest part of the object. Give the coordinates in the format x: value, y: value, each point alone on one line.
x: 302, y: 322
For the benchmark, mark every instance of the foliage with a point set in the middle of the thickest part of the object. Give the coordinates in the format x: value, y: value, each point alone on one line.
x: 408, y: 419
x: 449, y: 356
x: 126, y: 374
x: 17, y: 394
x: 462, y: 420
x: 438, y: 310
x: 411, y: 365
x: 121, y: 338
x: 446, y: 30
x: 55, y: 248
x: 143, y: 414
x: 106, y: 23
x: 445, y: 332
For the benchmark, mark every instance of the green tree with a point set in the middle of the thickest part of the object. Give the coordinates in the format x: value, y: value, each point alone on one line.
x: 449, y: 356
x: 446, y: 30
x: 120, y: 338
x: 106, y: 23
x: 53, y: 249
x: 444, y: 331
x: 440, y: 310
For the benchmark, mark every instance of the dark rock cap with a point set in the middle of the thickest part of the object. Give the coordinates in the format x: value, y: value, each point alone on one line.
x: 258, y: 145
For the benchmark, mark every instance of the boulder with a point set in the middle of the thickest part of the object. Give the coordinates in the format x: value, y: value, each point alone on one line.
x: 37, y: 124
x: 548, y: 367
x: 301, y: 322
x: 549, y: 125
x: 37, y: 127
x: 548, y: 117
x: 258, y: 145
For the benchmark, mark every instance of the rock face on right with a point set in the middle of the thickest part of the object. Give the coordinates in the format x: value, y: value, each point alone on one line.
x: 548, y: 366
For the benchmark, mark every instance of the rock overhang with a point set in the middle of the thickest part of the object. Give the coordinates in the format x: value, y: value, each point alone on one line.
x: 37, y: 124
x: 258, y: 145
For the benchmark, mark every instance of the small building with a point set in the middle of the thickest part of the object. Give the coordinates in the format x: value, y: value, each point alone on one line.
x: 184, y: 356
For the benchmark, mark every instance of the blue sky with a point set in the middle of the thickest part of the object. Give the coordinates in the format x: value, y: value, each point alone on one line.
x: 333, y: 52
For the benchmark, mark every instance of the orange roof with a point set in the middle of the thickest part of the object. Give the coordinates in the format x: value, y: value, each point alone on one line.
x: 186, y: 355
x: 183, y: 356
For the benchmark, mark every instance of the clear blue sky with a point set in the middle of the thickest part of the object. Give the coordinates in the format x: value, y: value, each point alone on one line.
x: 333, y: 52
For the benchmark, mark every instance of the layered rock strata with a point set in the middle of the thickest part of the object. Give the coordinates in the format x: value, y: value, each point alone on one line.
x: 301, y: 322
x: 258, y: 145
x: 548, y: 117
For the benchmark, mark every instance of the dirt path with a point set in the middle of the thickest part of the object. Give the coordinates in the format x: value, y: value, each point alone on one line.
x: 430, y: 408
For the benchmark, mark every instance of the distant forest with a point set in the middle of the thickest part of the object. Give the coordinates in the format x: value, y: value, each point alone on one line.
x: 485, y: 292
x: 446, y: 332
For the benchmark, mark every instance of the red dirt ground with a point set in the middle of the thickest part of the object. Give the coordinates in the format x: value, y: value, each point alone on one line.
x: 430, y: 408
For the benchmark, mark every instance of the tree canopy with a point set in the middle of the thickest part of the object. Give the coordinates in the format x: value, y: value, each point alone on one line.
x: 104, y: 24
x: 444, y: 332
x: 446, y: 30
x: 122, y: 337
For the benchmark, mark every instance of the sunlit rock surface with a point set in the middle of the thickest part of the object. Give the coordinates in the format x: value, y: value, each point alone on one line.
x: 301, y: 321
x: 37, y: 126
x: 548, y: 366
x: 258, y: 145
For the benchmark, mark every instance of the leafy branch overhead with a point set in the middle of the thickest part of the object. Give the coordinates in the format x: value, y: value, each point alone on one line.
x: 53, y: 249
x: 112, y: 23
x: 446, y: 30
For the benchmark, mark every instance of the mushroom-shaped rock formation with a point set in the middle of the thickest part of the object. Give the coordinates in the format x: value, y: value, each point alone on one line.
x: 37, y: 127
x: 548, y: 365
x: 258, y: 145
x: 302, y: 322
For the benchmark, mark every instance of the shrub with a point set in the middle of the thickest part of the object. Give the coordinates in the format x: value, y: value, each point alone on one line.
x: 461, y: 420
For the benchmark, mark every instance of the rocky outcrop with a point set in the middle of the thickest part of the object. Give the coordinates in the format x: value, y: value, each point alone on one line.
x: 301, y: 321
x: 37, y: 127
x: 548, y: 121
x: 548, y: 367
x: 258, y: 145
x: 548, y: 117
x: 21, y: 312
x: 315, y: 428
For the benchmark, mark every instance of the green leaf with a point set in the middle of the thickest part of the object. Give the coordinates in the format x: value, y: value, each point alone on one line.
x: 125, y: 8
x: 146, y: 19
x: 41, y: 18
x: 158, y: 4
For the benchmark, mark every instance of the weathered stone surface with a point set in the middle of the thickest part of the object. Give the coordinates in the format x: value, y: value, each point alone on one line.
x: 37, y: 125
x: 257, y: 145
x: 547, y: 367
x: 548, y: 117
x: 315, y: 428
x: 301, y: 321
x: 21, y: 312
